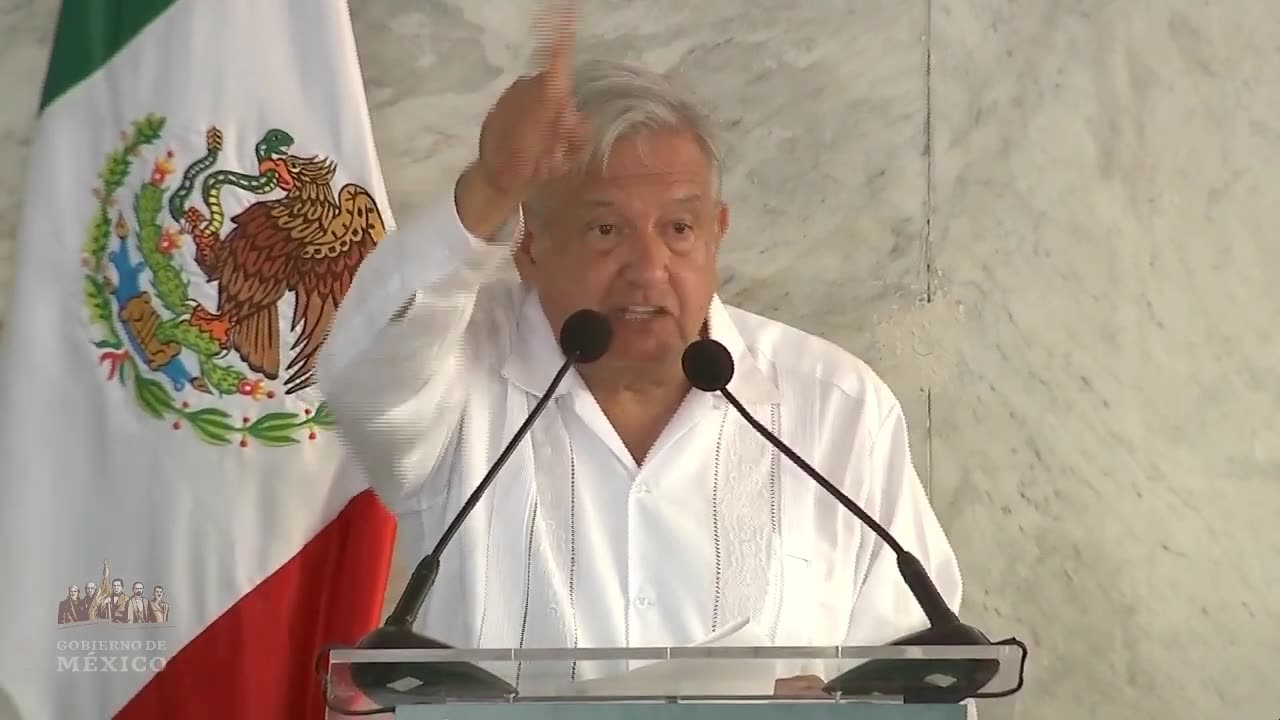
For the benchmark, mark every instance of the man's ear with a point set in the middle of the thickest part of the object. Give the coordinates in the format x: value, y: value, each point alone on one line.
x: 722, y: 224
x: 524, y: 251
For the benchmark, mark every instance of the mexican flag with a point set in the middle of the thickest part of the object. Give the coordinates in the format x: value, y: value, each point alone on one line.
x: 183, y: 533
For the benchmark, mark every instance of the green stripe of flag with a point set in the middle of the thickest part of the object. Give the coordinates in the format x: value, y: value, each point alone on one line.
x: 90, y: 33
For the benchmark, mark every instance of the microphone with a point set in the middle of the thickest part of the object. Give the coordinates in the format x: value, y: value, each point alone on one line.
x: 708, y: 366
x: 584, y: 338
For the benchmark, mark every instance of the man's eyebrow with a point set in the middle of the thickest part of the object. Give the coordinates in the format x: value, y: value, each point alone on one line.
x: 603, y: 202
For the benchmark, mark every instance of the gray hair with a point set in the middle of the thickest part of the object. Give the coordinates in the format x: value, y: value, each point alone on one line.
x: 618, y: 99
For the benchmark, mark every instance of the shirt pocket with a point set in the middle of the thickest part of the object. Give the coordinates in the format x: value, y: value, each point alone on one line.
x: 815, y: 600
x: 798, y: 604
x: 793, y: 606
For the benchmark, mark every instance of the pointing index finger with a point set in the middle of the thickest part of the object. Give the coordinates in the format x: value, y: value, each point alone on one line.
x: 555, y: 52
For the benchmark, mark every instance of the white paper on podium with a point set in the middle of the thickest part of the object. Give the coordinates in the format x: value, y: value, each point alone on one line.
x: 690, y: 676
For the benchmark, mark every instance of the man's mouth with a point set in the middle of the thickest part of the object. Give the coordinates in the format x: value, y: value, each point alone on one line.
x: 641, y: 312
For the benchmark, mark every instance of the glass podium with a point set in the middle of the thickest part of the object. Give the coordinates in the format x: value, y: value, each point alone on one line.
x: 950, y: 682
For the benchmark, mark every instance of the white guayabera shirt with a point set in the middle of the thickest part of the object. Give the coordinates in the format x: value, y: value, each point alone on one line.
x: 577, y: 545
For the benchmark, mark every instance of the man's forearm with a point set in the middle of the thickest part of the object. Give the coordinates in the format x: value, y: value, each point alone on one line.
x: 482, y: 209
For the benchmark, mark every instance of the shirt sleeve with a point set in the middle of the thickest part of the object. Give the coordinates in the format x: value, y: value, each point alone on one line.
x: 391, y: 368
x: 884, y: 609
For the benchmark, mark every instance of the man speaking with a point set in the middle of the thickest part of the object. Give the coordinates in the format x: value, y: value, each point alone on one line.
x: 639, y: 511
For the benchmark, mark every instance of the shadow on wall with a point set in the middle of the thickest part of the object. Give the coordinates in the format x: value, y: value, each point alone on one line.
x: 8, y: 709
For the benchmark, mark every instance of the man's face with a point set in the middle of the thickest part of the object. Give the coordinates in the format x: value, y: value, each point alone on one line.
x: 117, y: 587
x: 158, y: 593
x: 90, y: 588
x: 137, y: 589
x: 636, y: 241
x: 73, y: 592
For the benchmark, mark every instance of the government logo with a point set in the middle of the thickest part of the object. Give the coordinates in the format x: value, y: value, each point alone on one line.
x: 115, y: 600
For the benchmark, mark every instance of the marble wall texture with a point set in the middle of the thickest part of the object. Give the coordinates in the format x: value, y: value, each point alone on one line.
x: 1047, y: 224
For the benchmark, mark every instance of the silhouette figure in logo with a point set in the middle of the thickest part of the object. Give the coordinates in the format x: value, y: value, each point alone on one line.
x: 71, y: 610
x: 159, y: 606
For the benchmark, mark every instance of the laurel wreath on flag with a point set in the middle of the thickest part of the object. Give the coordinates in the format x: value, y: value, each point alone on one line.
x: 214, y: 425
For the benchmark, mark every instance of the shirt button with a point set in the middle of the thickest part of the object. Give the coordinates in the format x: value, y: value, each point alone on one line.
x: 641, y: 489
x: 643, y: 602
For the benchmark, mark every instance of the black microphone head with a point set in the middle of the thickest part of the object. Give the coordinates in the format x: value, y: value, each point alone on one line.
x: 585, y: 336
x: 707, y: 365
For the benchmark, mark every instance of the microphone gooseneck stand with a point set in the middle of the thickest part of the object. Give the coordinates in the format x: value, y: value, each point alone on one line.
x: 584, y: 338
x: 708, y: 366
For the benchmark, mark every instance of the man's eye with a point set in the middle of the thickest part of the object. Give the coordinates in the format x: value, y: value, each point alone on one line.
x: 681, y: 228
x: 605, y: 229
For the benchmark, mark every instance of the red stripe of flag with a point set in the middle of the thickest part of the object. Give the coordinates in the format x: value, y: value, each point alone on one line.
x: 258, y: 659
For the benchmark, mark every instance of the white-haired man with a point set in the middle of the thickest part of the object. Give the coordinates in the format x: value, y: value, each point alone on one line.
x: 639, y: 512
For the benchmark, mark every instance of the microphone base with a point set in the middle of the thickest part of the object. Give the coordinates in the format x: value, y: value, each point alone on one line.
x: 923, y: 681
x: 416, y: 683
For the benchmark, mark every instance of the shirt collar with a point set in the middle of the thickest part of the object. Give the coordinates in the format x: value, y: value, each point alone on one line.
x: 535, y: 354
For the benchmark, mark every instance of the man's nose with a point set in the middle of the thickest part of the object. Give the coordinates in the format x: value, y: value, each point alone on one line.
x: 649, y: 258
